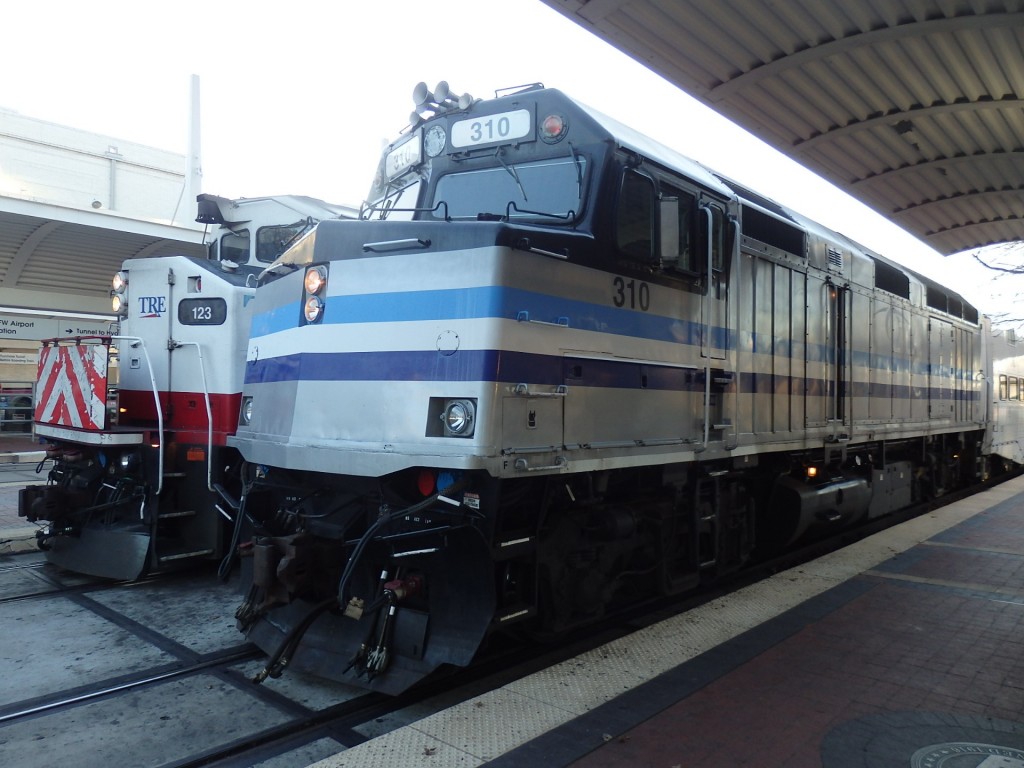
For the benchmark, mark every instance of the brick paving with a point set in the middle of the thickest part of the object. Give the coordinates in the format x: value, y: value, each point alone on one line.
x: 916, y: 663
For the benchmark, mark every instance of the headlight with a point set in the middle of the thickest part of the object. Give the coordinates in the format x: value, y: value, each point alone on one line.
x: 315, y: 279
x: 119, y: 294
x: 313, y: 309
x: 245, y: 412
x: 458, y: 417
x: 434, y: 140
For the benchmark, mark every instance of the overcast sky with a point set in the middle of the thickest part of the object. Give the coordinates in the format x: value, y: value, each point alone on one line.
x: 298, y: 97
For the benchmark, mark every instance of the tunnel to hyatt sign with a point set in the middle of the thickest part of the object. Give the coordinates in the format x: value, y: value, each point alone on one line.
x: 32, y: 328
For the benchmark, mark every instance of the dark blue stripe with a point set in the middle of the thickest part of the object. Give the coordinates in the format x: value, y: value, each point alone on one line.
x: 549, y: 370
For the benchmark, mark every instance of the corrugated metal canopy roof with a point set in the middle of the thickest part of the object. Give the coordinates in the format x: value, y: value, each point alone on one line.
x: 912, y: 106
x: 68, y: 256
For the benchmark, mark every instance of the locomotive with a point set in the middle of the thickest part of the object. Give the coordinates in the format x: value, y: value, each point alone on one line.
x: 556, y: 368
x: 135, y: 421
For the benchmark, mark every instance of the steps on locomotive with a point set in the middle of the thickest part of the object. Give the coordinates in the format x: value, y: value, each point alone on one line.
x: 186, y: 523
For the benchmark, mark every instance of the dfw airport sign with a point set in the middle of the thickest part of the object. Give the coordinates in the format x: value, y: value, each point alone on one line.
x: 35, y: 328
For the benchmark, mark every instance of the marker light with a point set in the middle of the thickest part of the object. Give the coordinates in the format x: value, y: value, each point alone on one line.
x: 425, y: 482
x: 812, y: 472
x: 314, y: 309
x: 553, y: 128
x: 316, y: 277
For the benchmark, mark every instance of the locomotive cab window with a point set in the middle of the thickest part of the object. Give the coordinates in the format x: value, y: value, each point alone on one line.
x: 634, y: 217
x: 271, y: 242
x: 397, y: 204
x: 234, y: 246
x: 543, y: 190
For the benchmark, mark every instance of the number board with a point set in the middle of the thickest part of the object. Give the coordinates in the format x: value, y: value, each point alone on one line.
x: 211, y: 311
x: 404, y: 156
x: 501, y: 128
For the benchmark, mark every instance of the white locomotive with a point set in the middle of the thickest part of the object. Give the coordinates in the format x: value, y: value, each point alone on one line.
x: 136, y: 421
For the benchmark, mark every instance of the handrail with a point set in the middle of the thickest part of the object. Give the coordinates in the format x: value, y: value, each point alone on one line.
x: 209, y: 412
x: 156, y: 401
x: 706, y: 345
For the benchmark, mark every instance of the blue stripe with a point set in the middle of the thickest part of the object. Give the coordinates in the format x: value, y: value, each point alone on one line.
x: 487, y: 302
x: 510, y: 303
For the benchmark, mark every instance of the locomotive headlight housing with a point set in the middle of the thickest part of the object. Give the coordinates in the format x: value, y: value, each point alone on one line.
x: 434, y: 140
x: 459, y: 418
x: 316, y: 279
x: 314, y: 292
x: 119, y: 294
x: 245, y: 412
x: 313, y: 309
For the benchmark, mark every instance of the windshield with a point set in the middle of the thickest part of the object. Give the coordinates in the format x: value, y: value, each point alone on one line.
x: 548, y: 187
x: 397, y: 203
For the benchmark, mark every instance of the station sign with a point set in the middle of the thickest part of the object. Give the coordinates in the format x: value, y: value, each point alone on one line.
x: 82, y: 327
x: 36, y: 328
x: 27, y: 327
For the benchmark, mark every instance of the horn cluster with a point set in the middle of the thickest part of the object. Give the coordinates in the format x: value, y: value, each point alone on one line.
x: 441, y: 100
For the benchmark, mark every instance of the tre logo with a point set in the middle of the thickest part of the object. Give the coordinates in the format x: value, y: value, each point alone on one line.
x: 152, y: 306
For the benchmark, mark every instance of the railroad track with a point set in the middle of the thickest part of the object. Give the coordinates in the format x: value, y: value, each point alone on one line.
x: 111, y: 688
x: 294, y: 719
x: 51, y: 582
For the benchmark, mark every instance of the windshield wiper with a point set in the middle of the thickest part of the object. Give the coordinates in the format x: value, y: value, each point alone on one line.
x: 576, y: 160
x: 511, y: 172
x: 291, y: 266
x: 307, y: 225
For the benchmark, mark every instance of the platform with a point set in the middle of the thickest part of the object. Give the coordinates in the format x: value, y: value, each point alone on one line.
x: 905, y: 649
x: 20, y: 454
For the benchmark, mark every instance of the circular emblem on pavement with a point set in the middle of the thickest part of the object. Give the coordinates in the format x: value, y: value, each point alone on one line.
x: 924, y: 740
x: 960, y: 754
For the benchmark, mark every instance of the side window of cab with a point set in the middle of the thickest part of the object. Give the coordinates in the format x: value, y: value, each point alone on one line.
x: 634, y: 217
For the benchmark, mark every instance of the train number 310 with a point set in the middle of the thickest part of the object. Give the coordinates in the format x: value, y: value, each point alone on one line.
x: 631, y: 294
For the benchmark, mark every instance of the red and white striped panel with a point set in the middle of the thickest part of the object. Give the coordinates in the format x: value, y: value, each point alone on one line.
x: 71, y: 386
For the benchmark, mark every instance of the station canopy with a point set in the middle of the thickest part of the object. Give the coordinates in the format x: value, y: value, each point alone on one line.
x: 63, y: 259
x: 914, y: 107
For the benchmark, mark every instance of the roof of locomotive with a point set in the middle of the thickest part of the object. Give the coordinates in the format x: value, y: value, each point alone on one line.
x: 626, y: 137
